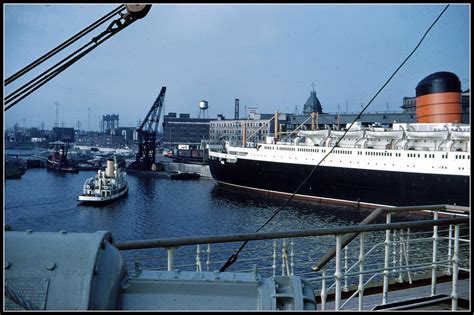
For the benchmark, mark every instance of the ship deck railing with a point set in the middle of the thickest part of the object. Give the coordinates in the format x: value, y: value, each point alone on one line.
x: 393, y: 247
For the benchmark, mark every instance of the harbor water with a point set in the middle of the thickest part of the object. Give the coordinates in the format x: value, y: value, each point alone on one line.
x: 158, y: 208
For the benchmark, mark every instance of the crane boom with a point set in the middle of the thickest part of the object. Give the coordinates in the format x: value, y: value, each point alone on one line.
x: 147, y: 135
x: 152, y: 118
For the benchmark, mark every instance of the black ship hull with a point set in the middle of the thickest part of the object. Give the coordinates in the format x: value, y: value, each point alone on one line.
x: 61, y: 168
x: 366, y: 188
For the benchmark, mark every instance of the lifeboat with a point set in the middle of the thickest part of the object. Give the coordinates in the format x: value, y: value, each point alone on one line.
x: 389, y: 134
x: 314, y: 133
x: 461, y: 135
x: 315, y: 136
x: 349, y: 133
x: 441, y: 134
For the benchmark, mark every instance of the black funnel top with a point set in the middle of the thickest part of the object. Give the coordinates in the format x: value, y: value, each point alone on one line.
x: 438, y: 82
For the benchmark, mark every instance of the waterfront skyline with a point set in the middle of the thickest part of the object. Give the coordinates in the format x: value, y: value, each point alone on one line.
x: 268, y: 56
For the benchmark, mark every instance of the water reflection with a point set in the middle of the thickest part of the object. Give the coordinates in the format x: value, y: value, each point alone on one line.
x: 296, y: 215
x: 145, y: 185
x: 158, y: 207
x: 163, y: 208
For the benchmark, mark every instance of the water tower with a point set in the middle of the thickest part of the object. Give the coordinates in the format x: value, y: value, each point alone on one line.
x: 203, y: 106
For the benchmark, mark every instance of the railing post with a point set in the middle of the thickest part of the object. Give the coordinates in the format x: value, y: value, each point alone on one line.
x: 198, y: 258
x: 323, y: 290
x: 338, y: 274
x: 400, y: 259
x: 361, y: 271
x: 435, y: 252
x: 170, y: 258
x: 405, y: 250
x: 274, y: 266
x: 450, y: 248
x: 408, y: 246
x: 394, y: 252
x: 385, y: 265
x: 346, y: 266
x: 292, y: 256
x: 284, y: 259
x: 208, y: 261
x: 454, y: 293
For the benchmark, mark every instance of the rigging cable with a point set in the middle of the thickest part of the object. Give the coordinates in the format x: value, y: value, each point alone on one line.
x: 233, y: 257
x: 115, y: 26
x: 47, y: 75
x: 63, y: 45
x: 50, y: 73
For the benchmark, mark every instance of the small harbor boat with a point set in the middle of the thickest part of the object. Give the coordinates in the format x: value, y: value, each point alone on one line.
x: 59, y: 161
x: 168, y: 153
x: 106, y: 186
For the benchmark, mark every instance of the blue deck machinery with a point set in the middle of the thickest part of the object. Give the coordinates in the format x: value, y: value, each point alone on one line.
x: 85, y: 271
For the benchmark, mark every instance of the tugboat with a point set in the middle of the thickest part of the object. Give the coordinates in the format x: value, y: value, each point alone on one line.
x: 106, y: 186
x: 58, y: 161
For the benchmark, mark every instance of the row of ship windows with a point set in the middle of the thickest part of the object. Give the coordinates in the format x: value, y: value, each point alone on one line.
x: 429, y: 156
x: 432, y: 156
x: 312, y: 150
x: 379, y: 153
x: 238, y: 131
x: 368, y: 163
x: 410, y: 155
x: 304, y: 150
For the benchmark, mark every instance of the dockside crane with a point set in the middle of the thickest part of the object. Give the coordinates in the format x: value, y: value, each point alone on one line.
x: 146, y: 135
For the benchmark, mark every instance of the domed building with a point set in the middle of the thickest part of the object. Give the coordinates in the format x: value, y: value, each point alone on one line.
x: 312, y: 104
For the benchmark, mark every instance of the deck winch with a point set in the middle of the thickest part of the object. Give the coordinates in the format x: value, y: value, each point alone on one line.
x: 85, y: 271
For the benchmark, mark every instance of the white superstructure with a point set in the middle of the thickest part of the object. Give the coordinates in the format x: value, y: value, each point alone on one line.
x: 416, y: 148
x: 107, y: 185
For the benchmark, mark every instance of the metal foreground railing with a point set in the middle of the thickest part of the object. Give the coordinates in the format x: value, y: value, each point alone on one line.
x: 436, y: 244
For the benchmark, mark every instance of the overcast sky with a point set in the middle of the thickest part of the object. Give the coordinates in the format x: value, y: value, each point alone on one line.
x: 266, y: 55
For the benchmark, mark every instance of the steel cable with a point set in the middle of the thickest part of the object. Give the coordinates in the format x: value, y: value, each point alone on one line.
x: 50, y: 73
x: 47, y: 75
x: 65, y: 44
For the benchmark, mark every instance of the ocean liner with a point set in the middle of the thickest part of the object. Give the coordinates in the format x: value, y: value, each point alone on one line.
x: 421, y: 163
